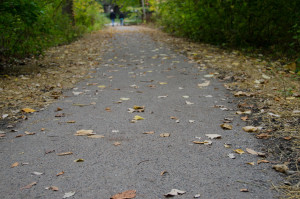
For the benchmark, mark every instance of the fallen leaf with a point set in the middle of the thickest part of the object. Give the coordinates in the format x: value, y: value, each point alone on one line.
x: 124, y: 99
x: 53, y: 188
x: 188, y: 103
x: 197, y: 196
x: 206, y: 83
x: 165, y: 135
x: 115, y: 131
x: 43, y: 129
x: 250, y: 129
x: 251, y: 151
x: 117, y: 143
x: 71, y: 121
x: 60, y: 115
x: 244, y: 118
x: 251, y: 163
x: 186, y: 97
x: 14, y: 165
x: 163, y: 83
x: 213, y: 136
x: 239, y: 151
x: 164, y: 96
x: 149, y: 132
x: 28, y: 110
x: 29, y: 185
x: 60, y: 173
x: 244, y: 112
x: 37, y: 173
x: 227, y: 146
x: 280, y: 168
x: 96, y: 136
x: 226, y: 126
x: 241, y: 93
x: 262, y: 161
x: 108, y: 109
x: 65, y: 153
x: 174, y: 192
x: 2, y: 134
x: 287, y: 138
x: 101, y: 86
x: 69, y: 194
x: 84, y: 132
x: 205, y: 142
x: 18, y: 136
x: 244, y: 190
x: 191, y: 121
x: 163, y: 172
x: 231, y: 155
x: 59, y: 109
x: 125, y: 195
x: 138, y: 118
x: 29, y: 133
x: 79, y: 160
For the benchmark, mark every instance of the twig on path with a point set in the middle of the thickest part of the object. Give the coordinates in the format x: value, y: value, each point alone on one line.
x: 143, y: 161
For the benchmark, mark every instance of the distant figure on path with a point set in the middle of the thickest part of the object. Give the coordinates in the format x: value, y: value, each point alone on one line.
x: 112, y: 17
x: 121, y: 17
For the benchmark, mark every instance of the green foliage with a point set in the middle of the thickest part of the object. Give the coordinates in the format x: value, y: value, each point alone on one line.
x: 27, y: 27
x: 268, y: 23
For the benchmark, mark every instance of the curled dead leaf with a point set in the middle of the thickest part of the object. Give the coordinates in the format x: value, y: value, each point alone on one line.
x: 28, y: 110
x: 262, y: 161
x: 60, y: 173
x: 65, y: 153
x: 281, y: 168
x: 125, y: 195
x: 14, y: 164
x: 263, y: 136
x: 53, y: 188
x: 226, y: 126
x: 29, y: 133
x: 244, y: 190
x: 79, y: 160
x: 239, y: 151
x: 250, y: 129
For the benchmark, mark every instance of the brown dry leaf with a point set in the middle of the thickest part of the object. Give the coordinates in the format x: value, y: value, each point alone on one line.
x: 14, y: 164
x: 244, y: 190
x: 280, y: 168
x: 43, y: 129
x: 125, y: 195
x: 108, y: 109
x: 241, y: 93
x: 117, y: 143
x: 84, y: 132
x: 139, y: 108
x: 2, y: 134
x: 60, y: 173
x: 28, y: 110
x: 251, y: 151
x: 244, y: 118
x: 71, y: 121
x: 262, y: 161
x: 29, y: 133
x: 163, y: 172
x: 53, y: 188
x: 174, y: 118
x: 251, y: 163
x: 59, y: 109
x: 205, y: 142
x: 263, y: 136
x: 287, y: 138
x: 149, y: 132
x: 29, y: 186
x: 60, y: 115
x: 65, y: 153
x: 226, y: 126
x: 79, y: 160
x: 250, y: 129
x: 165, y: 135
x: 18, y: 136
x: 96, y: 136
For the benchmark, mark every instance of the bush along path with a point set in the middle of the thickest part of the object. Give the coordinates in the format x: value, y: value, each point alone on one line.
x: 146, y: 123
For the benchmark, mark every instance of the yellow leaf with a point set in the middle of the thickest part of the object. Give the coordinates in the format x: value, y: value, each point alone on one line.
x: 239, y: 151
x: 163, y: 83
x: 65, y: 153
x: 250, y: 129
x: 101, y: 86
x: 138, y: 118
x: 165, y: 135
x: 96, y: 136
x: 226, y: 126
x: 84, y: 132
x: 251, y: 163
x: 149, y: 132
x: 28, y: 110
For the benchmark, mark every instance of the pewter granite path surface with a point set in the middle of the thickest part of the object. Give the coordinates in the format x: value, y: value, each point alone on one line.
x: 151, y: 75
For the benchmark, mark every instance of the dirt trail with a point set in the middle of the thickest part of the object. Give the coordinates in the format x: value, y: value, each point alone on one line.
x: 158, y: 146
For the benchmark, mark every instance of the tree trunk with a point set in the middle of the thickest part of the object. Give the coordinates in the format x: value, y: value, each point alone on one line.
x: 67, y: 9
x: 144, y: 11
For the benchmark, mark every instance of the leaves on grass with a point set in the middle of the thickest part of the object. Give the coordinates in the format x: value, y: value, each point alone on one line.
x: 28, y: 110
x: 69, y: 194
x: 165, y: 135
x: 29, y: 185
x: 281, y: 168
x: 125, y: 195
x: 84, y: 132
x: 174, y: 192
x: 213, y: 136
x: 14, y: 164
x: 226, y: 126
x: 65, y: 153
